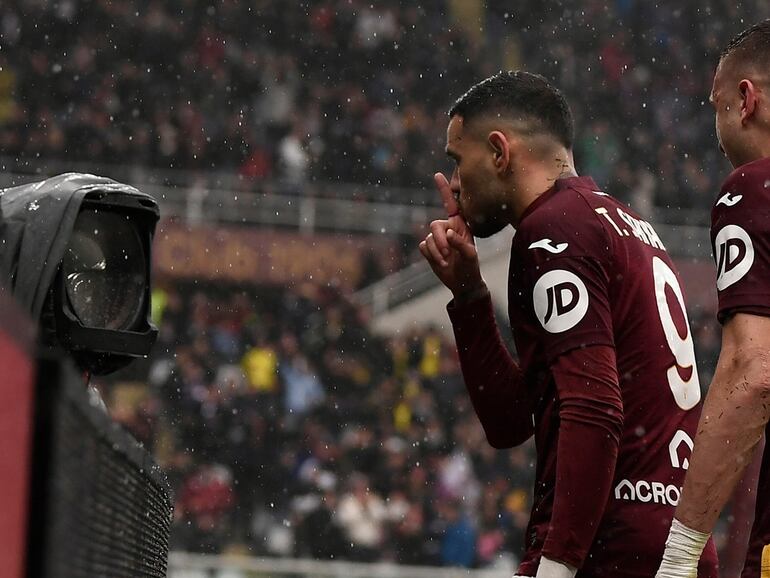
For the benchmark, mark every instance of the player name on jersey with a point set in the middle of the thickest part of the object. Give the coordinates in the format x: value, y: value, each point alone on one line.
x: 640, y: 229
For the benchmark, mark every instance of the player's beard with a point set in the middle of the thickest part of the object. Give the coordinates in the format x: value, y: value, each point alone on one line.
x: 484, y: 226
x: 485, y: 213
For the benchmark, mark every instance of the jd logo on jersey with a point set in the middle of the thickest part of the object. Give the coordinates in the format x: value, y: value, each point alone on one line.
x: 560, y: 299
x: 734, y: 253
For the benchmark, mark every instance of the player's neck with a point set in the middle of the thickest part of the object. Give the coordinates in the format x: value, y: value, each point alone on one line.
x: 539, y: 180
x: 761, y: 151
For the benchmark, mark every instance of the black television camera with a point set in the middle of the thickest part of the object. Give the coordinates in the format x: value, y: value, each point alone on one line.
x: 76, y: 256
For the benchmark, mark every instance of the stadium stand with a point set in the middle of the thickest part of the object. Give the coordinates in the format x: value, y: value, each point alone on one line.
x: 330, y: 93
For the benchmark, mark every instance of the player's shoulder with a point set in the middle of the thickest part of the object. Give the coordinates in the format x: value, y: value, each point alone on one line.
x: 745, y: 190
x: 740, y: 230
x: 563, y: 222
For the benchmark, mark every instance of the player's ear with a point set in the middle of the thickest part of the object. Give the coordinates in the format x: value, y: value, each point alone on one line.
x: 748, y: 99
x: 501, y: 149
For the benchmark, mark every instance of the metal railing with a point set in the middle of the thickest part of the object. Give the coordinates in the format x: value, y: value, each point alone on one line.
x: 305, y: 213
x: 185, y: 565
x: 228, y: 179
x: 228, y: 197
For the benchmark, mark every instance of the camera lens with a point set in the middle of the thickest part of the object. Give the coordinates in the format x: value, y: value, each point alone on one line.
x: 105, y: 271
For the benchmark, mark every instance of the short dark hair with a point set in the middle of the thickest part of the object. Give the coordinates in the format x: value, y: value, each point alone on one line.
x: 520, y: 94
x: 752, y: 46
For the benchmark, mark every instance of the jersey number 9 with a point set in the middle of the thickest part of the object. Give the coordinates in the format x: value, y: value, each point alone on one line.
x: 686, y: 392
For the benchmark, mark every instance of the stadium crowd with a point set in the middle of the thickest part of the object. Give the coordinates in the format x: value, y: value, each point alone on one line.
x: 339, y: 91
x: 288, y: 429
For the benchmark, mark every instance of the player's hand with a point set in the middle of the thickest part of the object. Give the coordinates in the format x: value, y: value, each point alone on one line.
x: 450, y: 249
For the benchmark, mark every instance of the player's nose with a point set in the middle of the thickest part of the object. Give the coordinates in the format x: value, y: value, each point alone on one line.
x: 454, y: 184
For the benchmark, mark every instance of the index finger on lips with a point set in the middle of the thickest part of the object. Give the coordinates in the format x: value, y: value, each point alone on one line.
x: 450, y: 205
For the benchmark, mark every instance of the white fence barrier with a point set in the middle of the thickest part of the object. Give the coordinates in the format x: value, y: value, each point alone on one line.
x: 185, y: 565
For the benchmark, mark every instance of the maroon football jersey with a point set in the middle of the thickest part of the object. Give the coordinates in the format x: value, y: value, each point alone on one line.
x: 586, y: 270
x: 740, y: 238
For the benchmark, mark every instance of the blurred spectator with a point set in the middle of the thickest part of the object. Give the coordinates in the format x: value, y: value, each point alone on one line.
x: 260, y: 364
x: 205, y: 500
x: 362, y: 514
x: 303, y: 390
x: 319, y: 534
x: 292, y: 158
x: 458, y: 546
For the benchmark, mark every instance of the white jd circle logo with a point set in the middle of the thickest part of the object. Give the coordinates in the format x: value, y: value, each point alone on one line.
x: 560, y: 300
x: 734, y: 255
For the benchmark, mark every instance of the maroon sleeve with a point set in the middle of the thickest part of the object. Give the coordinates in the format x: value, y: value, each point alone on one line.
x: 740, y: 237
x: 493, y: 379
x: 591, y: 423
x: 571, y: 303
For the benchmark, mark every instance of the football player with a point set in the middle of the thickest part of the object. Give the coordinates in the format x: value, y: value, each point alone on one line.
x: 606, y: 379
x: 737, y: 408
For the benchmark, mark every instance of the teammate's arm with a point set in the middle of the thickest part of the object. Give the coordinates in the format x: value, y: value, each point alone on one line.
x: 494, y: 381
x: 735, y: 413
x: 591, y: 424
